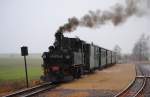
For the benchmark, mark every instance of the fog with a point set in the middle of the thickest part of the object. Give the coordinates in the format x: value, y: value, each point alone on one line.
x: 34, y: 22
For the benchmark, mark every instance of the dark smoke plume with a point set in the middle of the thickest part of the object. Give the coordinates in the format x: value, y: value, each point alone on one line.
x: 117, y: 15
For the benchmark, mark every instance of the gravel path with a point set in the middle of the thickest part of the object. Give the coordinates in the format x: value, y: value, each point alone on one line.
x: 104, y: 83
x: 79, y: 93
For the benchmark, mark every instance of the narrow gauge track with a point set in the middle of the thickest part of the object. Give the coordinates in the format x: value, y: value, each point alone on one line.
x: 146, y: 91
x: 136, y: 87
x: 33, y: 91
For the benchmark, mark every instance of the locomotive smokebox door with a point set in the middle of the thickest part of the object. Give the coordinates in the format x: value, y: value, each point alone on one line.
x: 24, y: 51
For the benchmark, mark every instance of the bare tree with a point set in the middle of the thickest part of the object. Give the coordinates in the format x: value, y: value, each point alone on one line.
x: 126, y: 58
x: 117, y: 50
x: 141, y: 48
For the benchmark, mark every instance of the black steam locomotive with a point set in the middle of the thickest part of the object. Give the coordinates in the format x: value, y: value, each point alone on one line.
x: 69, y: 58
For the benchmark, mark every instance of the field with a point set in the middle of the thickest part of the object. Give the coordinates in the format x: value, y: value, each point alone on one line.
x: 12, y: 69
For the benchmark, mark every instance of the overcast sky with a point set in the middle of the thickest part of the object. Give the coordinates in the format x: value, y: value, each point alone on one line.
x: 34, y: 22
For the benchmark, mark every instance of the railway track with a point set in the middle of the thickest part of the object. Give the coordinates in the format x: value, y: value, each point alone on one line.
x: 138, y: 87
x: 32, y: 91
x: 146, y: 91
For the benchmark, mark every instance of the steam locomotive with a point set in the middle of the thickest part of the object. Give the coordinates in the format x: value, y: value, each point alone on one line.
x: 69, y: 58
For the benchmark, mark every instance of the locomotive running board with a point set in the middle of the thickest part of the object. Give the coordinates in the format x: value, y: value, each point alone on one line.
x: 77, y: 65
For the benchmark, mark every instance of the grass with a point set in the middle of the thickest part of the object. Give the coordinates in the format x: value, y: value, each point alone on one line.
x: 12, y: 71
x: 12, y: 68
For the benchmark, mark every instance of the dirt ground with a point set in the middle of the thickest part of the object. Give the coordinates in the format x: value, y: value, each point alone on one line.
x: 9, y: 87
x: 103, y: 83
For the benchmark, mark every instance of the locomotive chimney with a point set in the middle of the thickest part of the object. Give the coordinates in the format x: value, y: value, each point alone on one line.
x: 58, y: 38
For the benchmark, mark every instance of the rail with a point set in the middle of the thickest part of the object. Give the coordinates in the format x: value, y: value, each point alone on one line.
x: 33, y: 90
x: 135, y: 87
